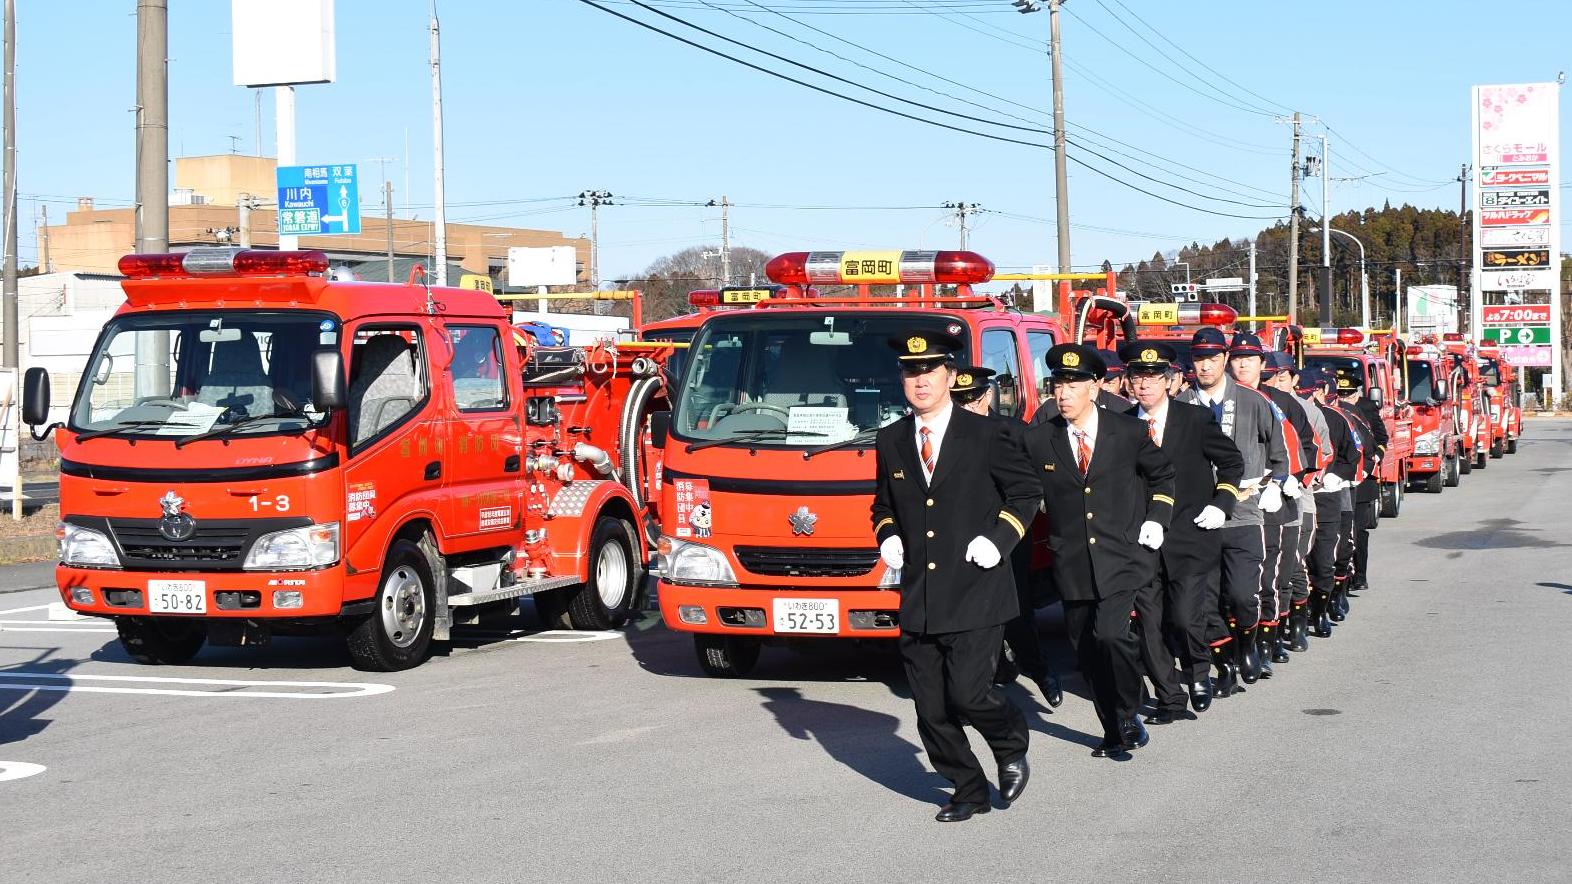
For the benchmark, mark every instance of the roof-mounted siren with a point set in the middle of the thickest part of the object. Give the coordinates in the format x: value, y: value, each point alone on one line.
x: 214, y: 262
x: 798, y: 270
x: 1334, y: 337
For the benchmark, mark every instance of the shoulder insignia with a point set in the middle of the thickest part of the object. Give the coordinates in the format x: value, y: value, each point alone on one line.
x: 898, y: 474
x: 1047, y: 467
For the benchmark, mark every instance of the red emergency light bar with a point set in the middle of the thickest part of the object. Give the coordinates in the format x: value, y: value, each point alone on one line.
x: 1453, y: 337
x: 222, y: 262
x: 1186, y: 313
x: 1334, y: 336
x: 879, y: 268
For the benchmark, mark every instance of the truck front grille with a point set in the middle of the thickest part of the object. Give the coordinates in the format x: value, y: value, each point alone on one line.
x: 216, y: 545
x: 786, y: 561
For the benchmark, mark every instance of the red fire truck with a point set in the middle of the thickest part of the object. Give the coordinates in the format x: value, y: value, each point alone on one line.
x: 1468, y: 384
x: 1438, y: 441
x: 1504, y: 399
x: 223, y: 479
x: 769, y: 469
x: 1378, y: 360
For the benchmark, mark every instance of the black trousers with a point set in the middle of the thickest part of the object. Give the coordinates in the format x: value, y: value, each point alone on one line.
x: 951, y: 674
x: 1109, y: 654
x: 1299, y: 579
x: 1155, y: 622
x: 1021, y: 633
x: 1328, y: 535
x: 1365, y: 515
x: 1244, y: 552
x: 1288, y: 562
x: 1345, y: 544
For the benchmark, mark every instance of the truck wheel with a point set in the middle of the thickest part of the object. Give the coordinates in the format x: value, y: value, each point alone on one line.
x: 1481, y: 460
x: 1449, y: 472
x: 604, y: 601
x: 726, y: 656
x: 1497, y: 449
x: 161, y: 640
x: 1436, y: 480
x: 1391, y: 499
x: 397, y: 635
x: 1511, y: 446
x: 1465, y: 462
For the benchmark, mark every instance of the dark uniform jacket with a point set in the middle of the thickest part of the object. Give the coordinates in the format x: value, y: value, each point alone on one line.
x: 1207, y: 470
x: 1370, y: 489
x: 1094, y: 520
x: 1346, y: 453
x: 981, y: 486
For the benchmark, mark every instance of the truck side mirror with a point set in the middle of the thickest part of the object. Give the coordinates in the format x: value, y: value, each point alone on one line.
x: 660, y: 428
x: 327, y: 379
x: 35, y: 397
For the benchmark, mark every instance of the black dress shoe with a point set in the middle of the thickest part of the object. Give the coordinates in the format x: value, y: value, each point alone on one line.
x: 960, y: 811
x: 1012, y: 779
x: 1161, y: 716
x: 1109, y: 749
x: 1201, y: 695
x: 1135, y: 735
x: 1052, y: 692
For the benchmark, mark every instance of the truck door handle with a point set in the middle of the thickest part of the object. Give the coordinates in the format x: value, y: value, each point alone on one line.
x: 434, y: 470
x: 511, y: 465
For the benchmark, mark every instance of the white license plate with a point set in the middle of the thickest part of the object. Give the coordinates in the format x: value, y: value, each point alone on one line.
x: 177, y: 597
x: 807, y: 615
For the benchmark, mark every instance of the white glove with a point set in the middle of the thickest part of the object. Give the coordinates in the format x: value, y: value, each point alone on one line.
x: 1271, y: 498
x: 982, y: 553
x: 893, y: 552
x: 1151, y: 535
x: 1291, y: 488
x: 1210, y: 519
x: 1332, y: 482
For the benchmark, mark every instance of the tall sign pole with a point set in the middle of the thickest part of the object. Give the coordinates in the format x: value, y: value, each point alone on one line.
x: 436, y: 134
x: 1061, y: 175
x: 11, y: 318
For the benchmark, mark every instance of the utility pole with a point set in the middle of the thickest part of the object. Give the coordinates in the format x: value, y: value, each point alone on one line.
x: 152, y: 174
x: 387, y: 204
x: 436, y: 133
x: 725, y: 249
x: 962, y: 210
x: 1399, y: 318
x: 1463, y: 278
x: 1061, y: 176
x: 11, y: 319
x: 1293, y: 232
x: 256, y: 95
x: 243, y: 220
x: 1252, y: 287
x: 1325, y: 282
x: 48, y: 265
x: 595, y: 199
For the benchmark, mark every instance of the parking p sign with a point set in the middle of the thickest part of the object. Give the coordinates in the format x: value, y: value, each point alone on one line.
x: 318, y: 200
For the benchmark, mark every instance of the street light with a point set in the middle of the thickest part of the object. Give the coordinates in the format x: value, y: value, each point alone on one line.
x: 1364, y: 281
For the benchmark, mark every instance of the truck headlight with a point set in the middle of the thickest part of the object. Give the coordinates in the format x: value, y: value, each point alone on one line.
x: 1428, y: 443
x: 311, y: 546
x: 84, y: 546
x: 686, y: 562
x: 891, y: 578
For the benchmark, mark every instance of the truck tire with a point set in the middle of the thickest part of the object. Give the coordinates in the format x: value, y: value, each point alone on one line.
x: 161, y: 641
x: 1391, y: 499
x: 1465, y: 462
x: 1497, y: 450
x: 726, y: 656
x: 397, y: 635
x: 1436, y: 480
x: 1449, y: 471
x: 603, y: 602
x: 1481, y: 460
x: 1511, y: 446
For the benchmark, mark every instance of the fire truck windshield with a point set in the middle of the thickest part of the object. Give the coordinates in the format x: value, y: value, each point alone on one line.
x: 1421, y: 383
x: 200, y: 373
x: 1491, y: 372
x: 1343, y: 364
x: 795, y: 379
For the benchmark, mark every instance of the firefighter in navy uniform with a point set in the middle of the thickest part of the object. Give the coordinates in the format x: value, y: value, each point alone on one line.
x: 1171, y: 611
x: 1294, y: 631
x: 1108, y: 491
x: 1367, y: 497
x: 1022, y: 653
x: 953, y: 497
x: 1334, y: 506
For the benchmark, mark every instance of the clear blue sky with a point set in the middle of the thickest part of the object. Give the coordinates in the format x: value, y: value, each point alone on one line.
x: 545, y: 98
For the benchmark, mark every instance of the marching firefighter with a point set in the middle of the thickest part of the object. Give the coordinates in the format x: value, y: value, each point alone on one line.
x: 1023, y: 651
x: 1367, y: 498
x: 1247, y: 362
x: 1365, y: 495
x: 1173, y: 608
x: 953, y: 497
x: 1334, y: 497
x: 1108, y: 491
x: 1249, y: 419
x: 1295, y: 631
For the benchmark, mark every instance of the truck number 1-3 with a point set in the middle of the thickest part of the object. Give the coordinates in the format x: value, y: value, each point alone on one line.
x: 278, y: 504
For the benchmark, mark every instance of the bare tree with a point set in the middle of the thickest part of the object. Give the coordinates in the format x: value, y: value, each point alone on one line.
x: 667, y: 281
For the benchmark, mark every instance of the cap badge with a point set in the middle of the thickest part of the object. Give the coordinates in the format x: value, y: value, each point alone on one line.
x: 1070, y: 360
x: 963, y: 380
x: 1148, y: 355
x: 916, y: 344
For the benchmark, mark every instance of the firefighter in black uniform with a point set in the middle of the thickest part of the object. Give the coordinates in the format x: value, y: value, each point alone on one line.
x: 953, y: 497
x: 1367, y: 498
x: 1108, y: 491
x: 1022, y: 653
x: 1172, y: 610
x: 1362, y: 497
x: 1333, y: 510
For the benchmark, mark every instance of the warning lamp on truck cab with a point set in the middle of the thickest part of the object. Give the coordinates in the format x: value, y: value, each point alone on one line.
x: 733, y: 296
x: 1329, y: 337
x: 1210, y: 313
x: 879, y: 268
x: 205, y: 262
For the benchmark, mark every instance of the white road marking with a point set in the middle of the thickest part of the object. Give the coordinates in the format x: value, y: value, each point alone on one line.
x: 49, y: 681
x: 20, y: 610
x: 568, y: 636
x: 53, y: 629
x: 18, y: 770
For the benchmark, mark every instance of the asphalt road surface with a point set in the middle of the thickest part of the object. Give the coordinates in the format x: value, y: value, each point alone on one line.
x: 1426, y: 741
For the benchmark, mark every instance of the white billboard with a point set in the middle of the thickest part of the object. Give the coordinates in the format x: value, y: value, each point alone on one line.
x: 282, y: 42
x: 1517, y: 204
x: 552, y: 265
x: 1431, y: 309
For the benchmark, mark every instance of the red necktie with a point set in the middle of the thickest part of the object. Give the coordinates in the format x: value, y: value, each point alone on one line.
x: 926, y: 450
x: 1151, y: 429
x: 1083, y: 451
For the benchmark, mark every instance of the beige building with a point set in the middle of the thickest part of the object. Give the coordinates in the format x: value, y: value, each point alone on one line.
x: 205, y: 211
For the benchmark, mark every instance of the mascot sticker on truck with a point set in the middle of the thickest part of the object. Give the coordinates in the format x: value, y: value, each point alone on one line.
x: 694, y: 515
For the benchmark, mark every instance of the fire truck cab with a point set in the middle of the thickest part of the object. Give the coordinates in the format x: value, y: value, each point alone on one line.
x: 224, y: 478
x: 769, y: 461
x: 1503, y: 399
x: 1438, y: 442
x: 1378, y: 360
